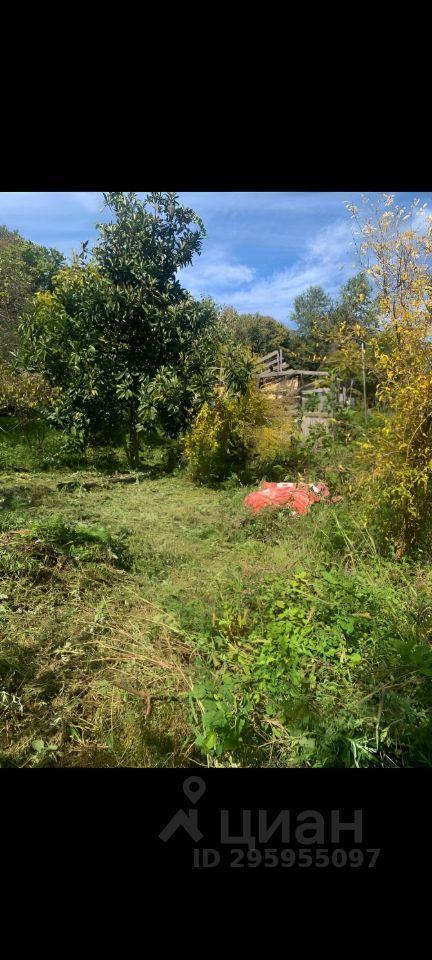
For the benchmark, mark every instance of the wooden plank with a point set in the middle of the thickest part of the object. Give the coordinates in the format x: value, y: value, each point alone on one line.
x: 273, y: 374
x: 268, y: 366
x: 293, y: 373
x: 268, y: 356
x: 311, y: 373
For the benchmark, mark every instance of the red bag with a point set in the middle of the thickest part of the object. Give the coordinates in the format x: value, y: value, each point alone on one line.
x: 298, y: 496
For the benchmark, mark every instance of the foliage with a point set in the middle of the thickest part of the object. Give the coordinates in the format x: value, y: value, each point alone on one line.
x: 87, y: 637
x: 221, y: 439
x: 74, y: 626
x: 29, y: 444
x: 310, y: 309
x: 260, y: 333
x: 170, y: 400
x: 356, y: 306
x: 81, y: 542
x: 330, y: 333
x: 174, y: 397
x: 111, y: 325
x: 65, y: 336
x: 324, y: 670
x: 46, y: 543
x: 23, y: 394
x: 331, y: 455
x: 399, y: 451
x: 312, y: 318
x: 354, y: 321
x: 25, y: 267
x: 237, y: 367
x: 224, y: 440
x: 200, y: 629
x: 56, y: 617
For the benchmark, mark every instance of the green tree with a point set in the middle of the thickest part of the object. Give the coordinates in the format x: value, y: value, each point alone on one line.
x: 356, y: 306
x: 311, y: 309
x: 312, y: 317
x: 171, y: 399
x: 354, y: 321
x: 261, y: 334
x: 122, y: 322
x: 25, y: 268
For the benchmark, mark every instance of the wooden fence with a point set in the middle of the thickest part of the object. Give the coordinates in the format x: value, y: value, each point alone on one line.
x: 273, y: 365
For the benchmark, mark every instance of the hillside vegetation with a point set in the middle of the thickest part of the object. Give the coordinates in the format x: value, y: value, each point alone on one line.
x: 147, y: 617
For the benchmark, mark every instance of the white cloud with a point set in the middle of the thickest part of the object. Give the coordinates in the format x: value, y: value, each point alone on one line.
x: 50, y: 202
x: 274, y: 295
x: 331, y: 243
x: 263, y: 202
x: 94, y: 202
x: 326, y: 256
x: 215, y: 272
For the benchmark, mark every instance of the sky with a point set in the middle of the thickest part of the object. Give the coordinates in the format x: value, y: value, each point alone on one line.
x: 261, y: 249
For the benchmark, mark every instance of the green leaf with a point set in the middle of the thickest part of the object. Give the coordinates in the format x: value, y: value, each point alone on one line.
x: 210, y: 740
x: 355, y: 658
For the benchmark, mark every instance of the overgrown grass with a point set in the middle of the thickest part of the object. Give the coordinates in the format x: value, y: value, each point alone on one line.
x: 161, y: 624
x: 323, y: 668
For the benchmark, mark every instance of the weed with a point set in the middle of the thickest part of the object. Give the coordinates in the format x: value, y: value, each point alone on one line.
x: 325, y: 670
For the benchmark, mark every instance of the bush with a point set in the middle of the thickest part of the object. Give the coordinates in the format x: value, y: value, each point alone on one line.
x: 236, y: 435
x: 398, y: 453
x: 24, y: 394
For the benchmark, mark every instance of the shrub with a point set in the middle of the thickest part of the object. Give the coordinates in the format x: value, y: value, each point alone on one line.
x: 24, y: 394
x: 398, y: 453
x: 220, y: 439
x: 270, y: 453
x: 236, y: 435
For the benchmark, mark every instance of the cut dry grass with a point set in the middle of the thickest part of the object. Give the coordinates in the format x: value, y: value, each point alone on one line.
x: 97, y: 662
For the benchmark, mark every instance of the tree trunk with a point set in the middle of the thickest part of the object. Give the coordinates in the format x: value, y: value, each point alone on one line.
x: 133, y: 451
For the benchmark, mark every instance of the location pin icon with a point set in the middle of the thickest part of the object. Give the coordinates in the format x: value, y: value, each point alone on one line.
x: 194, y: 787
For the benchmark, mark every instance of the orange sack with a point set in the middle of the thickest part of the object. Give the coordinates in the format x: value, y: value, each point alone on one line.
x: 298, y: 496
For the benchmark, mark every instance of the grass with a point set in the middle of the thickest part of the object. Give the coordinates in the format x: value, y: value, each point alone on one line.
x: 79, y: 628
x: 127, y: 613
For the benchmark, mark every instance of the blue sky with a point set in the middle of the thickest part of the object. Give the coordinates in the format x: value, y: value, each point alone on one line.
x: 261, y: 250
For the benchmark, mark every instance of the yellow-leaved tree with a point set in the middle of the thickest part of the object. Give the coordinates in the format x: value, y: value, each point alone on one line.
x: 395, y: 244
